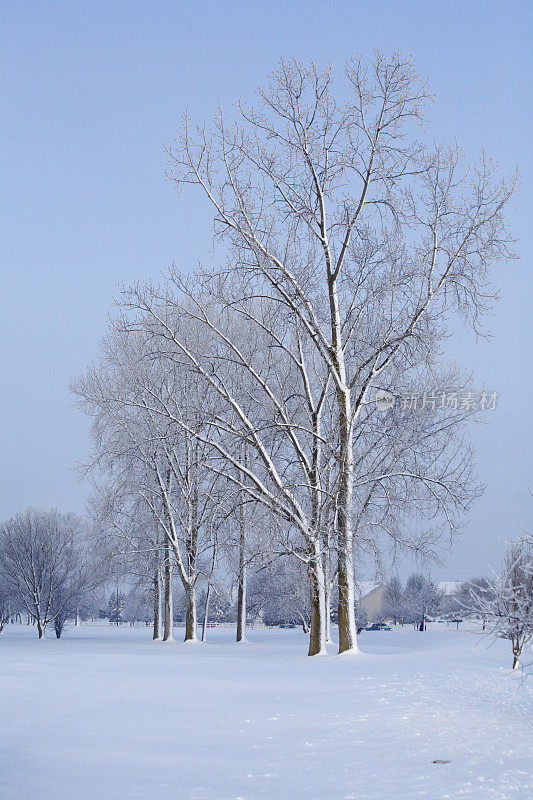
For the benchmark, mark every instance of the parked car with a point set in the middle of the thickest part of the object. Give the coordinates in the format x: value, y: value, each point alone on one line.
x: 378, y: 626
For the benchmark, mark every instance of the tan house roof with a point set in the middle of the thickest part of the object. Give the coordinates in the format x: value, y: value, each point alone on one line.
x: 364, y: 588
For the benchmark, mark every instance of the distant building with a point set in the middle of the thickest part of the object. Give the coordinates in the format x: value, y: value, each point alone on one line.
x: 369, y: 595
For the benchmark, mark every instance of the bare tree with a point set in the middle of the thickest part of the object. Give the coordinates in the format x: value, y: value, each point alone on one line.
x: 261, y: 397
x: 127, y: 531
x: 409, y: 465
x: 393, y: 600
x: 44, y: 562
x: 467, y: 599
x: 421, y: 600
x: 280, y: 594
x: 6, y: 604
x: 509, y: 606
x: 152, y: 457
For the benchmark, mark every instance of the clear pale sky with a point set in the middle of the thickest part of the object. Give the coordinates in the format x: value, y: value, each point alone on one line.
x: 91, y: 90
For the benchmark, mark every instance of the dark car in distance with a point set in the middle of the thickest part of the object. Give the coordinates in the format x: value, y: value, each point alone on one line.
x: 378, y: 626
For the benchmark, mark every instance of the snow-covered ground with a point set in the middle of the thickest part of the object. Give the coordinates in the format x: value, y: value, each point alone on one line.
x: 105, y: 714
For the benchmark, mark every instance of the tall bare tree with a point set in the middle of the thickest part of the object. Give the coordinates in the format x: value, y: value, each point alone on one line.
x: 373, y: 242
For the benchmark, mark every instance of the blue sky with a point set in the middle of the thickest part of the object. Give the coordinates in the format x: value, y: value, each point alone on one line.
x: 93, y: 89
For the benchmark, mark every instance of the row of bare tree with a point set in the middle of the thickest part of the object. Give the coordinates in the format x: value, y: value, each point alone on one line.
x: 236, y: 403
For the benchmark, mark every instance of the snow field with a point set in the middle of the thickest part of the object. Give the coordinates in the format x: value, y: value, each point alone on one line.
x: 107, y: 713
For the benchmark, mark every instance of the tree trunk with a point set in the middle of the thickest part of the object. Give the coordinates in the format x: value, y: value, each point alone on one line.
x: 157, y: 605
x: 191, y: 549
x: 206, y: 612
x: 317, y: 625
x: 241, y: 591
x: 517, y: 649
x: 346, y: 608
x: 327, y: 584
x: 40, y: 629
x: 208, y: 593
x: 168, y: 605
x: 241, y: 608
x: 190, y: 614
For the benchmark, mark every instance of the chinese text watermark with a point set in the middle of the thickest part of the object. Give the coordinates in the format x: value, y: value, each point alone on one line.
x: 433, y: 401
